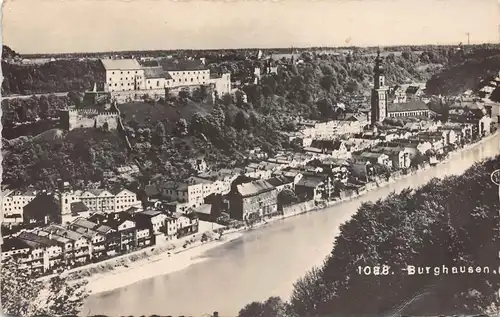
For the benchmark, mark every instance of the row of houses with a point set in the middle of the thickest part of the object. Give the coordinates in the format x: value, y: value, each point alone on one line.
x: 94, y: 238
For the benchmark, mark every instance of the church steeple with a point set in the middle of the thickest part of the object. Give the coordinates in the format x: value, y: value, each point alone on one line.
x: 379, y: 92
x: 379, y: 76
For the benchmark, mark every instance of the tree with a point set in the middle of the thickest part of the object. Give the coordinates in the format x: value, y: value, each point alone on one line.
x: 241, y: 121
x: 23, y: 295
x: 159, y: 135
x: 182, y: 127
x: 287, y: 197
x: 272, y: 307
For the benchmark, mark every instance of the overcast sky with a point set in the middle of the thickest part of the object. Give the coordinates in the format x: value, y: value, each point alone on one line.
x: 53, y: 26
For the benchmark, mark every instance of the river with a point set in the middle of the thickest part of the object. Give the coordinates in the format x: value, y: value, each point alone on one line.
x: 262, y: 263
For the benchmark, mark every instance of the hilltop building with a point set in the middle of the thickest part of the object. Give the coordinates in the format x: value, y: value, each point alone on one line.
x: 128, y: 79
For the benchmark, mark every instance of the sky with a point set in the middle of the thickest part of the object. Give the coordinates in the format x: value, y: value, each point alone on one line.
x: 63, y: 26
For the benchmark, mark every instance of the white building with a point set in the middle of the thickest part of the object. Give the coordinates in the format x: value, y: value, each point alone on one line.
x: 123, y: 75
x: 129, y: 75
x: 13, y: 203
x: 97, y: 200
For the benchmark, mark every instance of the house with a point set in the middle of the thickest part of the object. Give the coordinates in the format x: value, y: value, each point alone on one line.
x: 45, y: 253
x: 78, y: 248
x: 281, y: 183
x: 373, y: 158
x: 124, y: 232
x: 414, y: 92
x: 102, y: 236
x: 187, y: 224
x: 96, y: 200
x: 15, y: 248
x: 151, y: 219
x: 437, y: 141
x: 190, y: 192
x: 199, y: 164
x: 204, y: 212
x: 310, y: 187
x: 414, y: 148
x: 253, y: 200
x: 13, y: 202
x: 399, y: 156
x: 171, y: 227
x: 42, y: 210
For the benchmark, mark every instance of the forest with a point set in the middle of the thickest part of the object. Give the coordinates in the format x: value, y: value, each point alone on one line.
x: 450, y: 222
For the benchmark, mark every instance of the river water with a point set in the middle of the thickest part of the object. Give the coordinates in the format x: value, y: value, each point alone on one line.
x: 262, y: 263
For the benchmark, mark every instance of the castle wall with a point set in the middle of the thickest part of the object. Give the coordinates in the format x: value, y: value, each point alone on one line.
x: 126, y: 96
x: 88, y: 118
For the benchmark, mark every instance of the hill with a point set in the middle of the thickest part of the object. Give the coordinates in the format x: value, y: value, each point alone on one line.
x: 148, y: 114
x: 458, y: 78
x: 55, y: 76
x: 79, y: 155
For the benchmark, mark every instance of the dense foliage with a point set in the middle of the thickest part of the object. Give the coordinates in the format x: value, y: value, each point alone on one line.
x: 26, y: 110
x: 54, y: 76
x: 24, y: 296
x: 450, y: 222
x: 80, y: 155
x: 466, y: 75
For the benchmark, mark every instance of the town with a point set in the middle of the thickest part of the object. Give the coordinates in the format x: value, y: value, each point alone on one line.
x: 397, y: 132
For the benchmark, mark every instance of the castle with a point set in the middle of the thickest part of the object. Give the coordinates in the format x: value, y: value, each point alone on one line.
x: 71, y: 119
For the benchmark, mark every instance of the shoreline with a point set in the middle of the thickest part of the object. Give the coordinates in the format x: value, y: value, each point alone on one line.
x: 164, y: 263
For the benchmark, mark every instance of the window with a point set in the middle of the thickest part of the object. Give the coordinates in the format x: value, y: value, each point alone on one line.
x: 121, y: 73
x: 191, y: 79
x: 113, y: 73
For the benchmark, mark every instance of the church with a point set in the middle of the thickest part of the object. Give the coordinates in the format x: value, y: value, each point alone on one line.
x: 380, y: 106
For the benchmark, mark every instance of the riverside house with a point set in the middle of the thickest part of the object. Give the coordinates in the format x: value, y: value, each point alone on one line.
x: 253, y: 200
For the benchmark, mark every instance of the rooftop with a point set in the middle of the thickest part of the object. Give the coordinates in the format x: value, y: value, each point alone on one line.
x: 278, y: 181
x: 150, y: 213
x: 182, y: 65
x: 154, y: 72
x: 121, y: 64
x: 407, y: 106
x: 13, y: 243
x: 254, y: 188
x: 310, y: 181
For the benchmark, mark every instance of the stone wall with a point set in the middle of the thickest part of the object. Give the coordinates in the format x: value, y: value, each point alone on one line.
x: 131, y: 95
x: 298, y: 208
x: 88, y: 118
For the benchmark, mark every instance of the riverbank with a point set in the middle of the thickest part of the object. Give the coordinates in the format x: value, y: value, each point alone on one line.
x: 162, y: 264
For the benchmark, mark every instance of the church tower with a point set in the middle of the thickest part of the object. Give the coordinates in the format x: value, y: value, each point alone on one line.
x: 379, y: 93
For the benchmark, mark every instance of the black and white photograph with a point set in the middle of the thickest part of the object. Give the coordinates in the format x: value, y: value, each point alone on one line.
x: 250, y: 158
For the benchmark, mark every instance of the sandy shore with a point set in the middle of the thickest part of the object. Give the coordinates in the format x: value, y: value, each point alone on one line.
x: 156, y: 265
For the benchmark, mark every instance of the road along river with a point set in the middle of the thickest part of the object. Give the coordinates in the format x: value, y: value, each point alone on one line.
x: 263, y: 262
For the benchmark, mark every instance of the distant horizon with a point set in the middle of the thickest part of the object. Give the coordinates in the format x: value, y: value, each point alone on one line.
x: 84, y: 26
x: 382, y: 47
